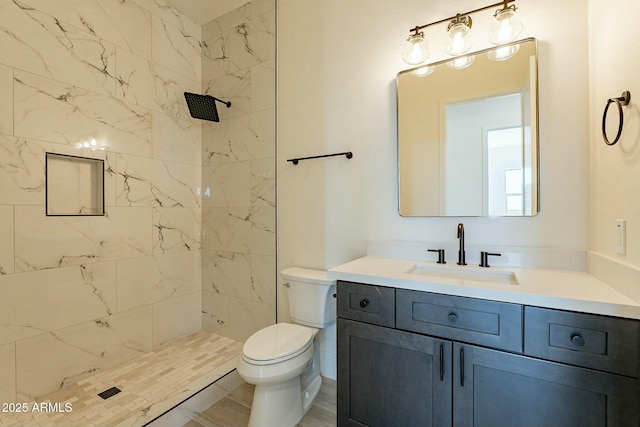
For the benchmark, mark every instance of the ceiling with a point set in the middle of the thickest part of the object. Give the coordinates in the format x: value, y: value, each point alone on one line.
x: 204, y: 11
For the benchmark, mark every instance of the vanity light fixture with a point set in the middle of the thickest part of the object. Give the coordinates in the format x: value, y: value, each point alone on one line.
x: 505, y: 29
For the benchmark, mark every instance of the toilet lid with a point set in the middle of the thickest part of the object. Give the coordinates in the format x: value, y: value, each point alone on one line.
x: 277, y: 341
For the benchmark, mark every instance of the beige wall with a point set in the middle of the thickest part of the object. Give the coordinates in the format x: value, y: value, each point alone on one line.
x: 615, y: 170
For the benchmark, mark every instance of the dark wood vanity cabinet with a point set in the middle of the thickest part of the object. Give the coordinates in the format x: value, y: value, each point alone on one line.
x: 455, y: 361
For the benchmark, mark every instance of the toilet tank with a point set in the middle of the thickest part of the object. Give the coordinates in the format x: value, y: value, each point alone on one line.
x: 311, y: 297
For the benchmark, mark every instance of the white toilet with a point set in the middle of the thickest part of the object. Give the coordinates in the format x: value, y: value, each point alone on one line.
x: 283, y: 360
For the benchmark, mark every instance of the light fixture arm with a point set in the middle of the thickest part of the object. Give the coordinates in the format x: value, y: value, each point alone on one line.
x: 506, y: 6
x: 504, y: 3
x: 460, y: 19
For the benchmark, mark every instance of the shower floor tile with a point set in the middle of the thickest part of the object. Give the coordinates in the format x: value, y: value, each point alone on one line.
x: 150, y: 385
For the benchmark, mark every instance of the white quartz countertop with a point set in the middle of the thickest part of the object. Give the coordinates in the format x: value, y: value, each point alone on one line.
x: 565, y: 290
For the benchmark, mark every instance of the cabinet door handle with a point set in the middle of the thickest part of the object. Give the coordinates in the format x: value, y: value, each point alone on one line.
x: 441, y: 362
x: 577, y: 340
x: 452, y: 317
x: 462, y: 367
x: 364, y: 302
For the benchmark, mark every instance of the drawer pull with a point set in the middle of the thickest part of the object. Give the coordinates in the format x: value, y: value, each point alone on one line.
x: 462, y: 367
x: 441, y: 362
x: 577, y: 340
x: 364, y: 302
x: 453, y: 317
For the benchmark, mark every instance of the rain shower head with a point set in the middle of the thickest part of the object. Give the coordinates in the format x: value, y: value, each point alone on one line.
x: 203, y: 106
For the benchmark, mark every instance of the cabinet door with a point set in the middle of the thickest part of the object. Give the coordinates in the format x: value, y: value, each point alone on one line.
x: 493, y: 388
x: 390, y: 378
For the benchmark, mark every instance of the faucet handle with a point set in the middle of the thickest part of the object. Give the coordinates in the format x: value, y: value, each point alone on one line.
x: 440, y: 255
x: 484, y: 258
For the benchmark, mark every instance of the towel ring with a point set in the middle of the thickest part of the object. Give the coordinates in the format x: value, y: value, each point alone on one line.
x: 620, y: 102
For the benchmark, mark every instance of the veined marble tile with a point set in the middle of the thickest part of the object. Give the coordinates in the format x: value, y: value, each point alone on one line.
x: 145, y: 83
x: 229, y: 184
x: 47, y: 362
x: 252, y: 42
x: 22, y: 169
x: 47, y: 300
x: 260, y: 7
x: 263, y: 125
x: 250, y: 136
x: 176, y: 49
x: 22, y: 179
x: 263, y: 278
x: 215, y: 59
x: 6, y: 93
x: 134, y: 75
x: 215, y: 313
x: 263, y: 86
x: 247, y: 317
x: 263, y: 182
x: 252, y: 230
x: 176, y: 139
x: 39, y: 43
x: 48, y: 242
x: 215, y: 229
x: 172, y: 16
x: 52, y: 111
x: 6, y: 239
x: 8, y: 373
x: 234, y: 87
x: 169, y: 87
x: 218, y: 142
x: 176, y: 230
x: 122, y: 22
x: 228, y: 21
x: 148, y: 280
x: 227, y: 273
x: 147, y: 182
x: 177, y: 317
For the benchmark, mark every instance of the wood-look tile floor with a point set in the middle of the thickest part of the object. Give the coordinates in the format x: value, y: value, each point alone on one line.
x: 234, y: 409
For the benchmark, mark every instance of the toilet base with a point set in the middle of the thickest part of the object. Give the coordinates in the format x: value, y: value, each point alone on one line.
x: 283, y: 404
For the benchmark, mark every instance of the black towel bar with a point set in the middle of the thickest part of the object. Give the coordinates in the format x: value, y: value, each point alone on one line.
x: 347, y: 154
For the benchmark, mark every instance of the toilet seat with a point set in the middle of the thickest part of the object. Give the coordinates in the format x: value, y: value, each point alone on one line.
x: 276, y: 343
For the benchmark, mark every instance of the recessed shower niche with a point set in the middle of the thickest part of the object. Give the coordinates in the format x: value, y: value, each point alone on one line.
x: 74, y: 185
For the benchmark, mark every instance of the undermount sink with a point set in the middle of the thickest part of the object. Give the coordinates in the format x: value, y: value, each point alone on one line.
x: 465, y: 273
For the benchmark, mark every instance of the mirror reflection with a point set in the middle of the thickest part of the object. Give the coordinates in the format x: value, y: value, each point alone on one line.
x: 467, y: 135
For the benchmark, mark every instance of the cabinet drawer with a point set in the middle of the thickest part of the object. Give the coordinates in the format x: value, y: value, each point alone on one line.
x: 366, y: 303
x: 600, y: 342
x: 490, y: 323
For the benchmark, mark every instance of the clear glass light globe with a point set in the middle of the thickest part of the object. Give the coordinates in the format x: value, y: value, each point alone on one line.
x: 417, y: 51
x: 506, y: 28
x: 459, y: 39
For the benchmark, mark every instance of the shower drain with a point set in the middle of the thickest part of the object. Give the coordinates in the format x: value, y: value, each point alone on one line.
x: 109, y: 392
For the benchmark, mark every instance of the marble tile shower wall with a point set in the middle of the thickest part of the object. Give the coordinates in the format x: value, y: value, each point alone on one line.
x: 238, y: 167
x: 78, y: 294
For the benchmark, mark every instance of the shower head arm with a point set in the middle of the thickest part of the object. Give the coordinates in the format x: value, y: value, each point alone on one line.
x: 227, y: 103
